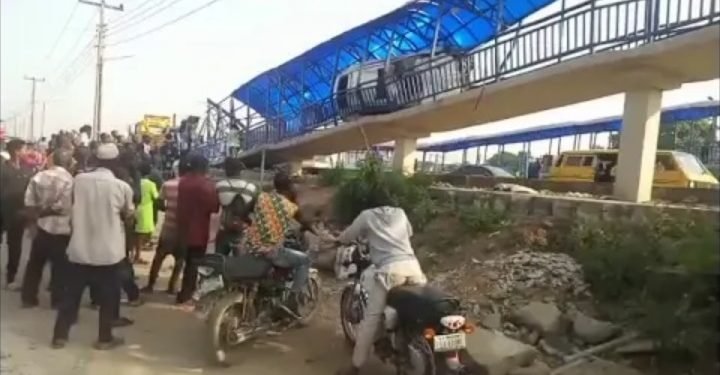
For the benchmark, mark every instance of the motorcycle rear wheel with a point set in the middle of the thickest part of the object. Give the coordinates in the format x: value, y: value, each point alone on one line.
x: 311, y: 301
x: 220, y: 325
x: 422, y: 358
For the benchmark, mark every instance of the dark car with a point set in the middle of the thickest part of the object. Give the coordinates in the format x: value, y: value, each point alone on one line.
x: 480, y: 170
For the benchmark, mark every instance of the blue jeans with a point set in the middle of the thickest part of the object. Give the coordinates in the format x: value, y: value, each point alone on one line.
x: 298, y: 261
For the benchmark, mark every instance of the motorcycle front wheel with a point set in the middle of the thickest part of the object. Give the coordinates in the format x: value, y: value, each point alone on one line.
x: 349, y: 319
x: 225, y: 323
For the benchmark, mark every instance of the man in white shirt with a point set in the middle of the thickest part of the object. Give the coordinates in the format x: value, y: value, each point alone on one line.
x: 85, y: 135
x: 101, y: 205
x: 48, y: 199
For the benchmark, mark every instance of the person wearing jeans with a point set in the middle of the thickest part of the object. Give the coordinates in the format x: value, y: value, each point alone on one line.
x: 197, y: 201
x: 14, y: 179
x: 299, y: 262
x: 168, y: 244
x: 271, y: 220
x: 48, y: 198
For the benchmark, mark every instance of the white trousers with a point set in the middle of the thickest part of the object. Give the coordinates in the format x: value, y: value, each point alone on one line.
x: 386, y: 278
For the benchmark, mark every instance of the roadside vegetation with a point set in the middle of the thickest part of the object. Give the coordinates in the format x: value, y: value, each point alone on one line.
x: 659, y: 276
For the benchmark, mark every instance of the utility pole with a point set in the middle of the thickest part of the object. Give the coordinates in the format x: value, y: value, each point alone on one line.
x: 42, y: 122
x: 101, y: 28
x: 34, y: 80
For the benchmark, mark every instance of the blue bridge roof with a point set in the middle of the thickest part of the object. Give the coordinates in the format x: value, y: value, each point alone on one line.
x: 306, y: 82
x: 686, y: 112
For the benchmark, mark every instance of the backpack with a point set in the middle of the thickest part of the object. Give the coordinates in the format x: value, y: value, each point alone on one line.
x: 236, y: 214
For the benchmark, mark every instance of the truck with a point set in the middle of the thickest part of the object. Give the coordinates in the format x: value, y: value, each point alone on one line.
x: 154, y: 126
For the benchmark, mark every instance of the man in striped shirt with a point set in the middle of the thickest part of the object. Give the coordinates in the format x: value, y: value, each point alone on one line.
x: 228, y: 188
x: 168, y: 244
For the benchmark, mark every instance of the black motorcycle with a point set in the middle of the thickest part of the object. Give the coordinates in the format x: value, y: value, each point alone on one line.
x: 424, y: 328
x: 243, y: 297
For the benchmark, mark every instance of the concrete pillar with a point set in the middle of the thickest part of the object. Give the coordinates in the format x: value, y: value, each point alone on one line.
x: 404, y: 156
x: 638, y: 145
x: 295, y: 168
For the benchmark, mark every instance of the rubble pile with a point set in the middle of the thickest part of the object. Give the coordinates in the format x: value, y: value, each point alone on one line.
x: 527, y: 270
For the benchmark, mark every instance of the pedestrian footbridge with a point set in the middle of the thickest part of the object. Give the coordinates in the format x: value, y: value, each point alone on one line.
x: 591, y: 50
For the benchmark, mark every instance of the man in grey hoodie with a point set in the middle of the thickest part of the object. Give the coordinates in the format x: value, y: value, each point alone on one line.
x: 387, y: 231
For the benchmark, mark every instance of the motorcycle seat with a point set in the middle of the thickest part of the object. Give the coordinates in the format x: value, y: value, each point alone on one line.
x: 421, y: 303
x: 246, y: 267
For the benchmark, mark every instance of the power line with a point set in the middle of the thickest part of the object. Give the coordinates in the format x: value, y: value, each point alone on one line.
x: 136, y: 12
x: 63, y: 69
x: 74, y: 46
x: 139, y: 20
x: 62, y: 32
x: 166, y: 24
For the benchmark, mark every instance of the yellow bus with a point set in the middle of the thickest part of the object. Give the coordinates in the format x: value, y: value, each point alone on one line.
x: 672, y: 168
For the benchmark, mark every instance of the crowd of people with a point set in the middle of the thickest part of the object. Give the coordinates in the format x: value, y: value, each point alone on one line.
x: 91, y: 207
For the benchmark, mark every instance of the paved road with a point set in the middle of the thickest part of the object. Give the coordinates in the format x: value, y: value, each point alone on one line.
x: 164, y: 341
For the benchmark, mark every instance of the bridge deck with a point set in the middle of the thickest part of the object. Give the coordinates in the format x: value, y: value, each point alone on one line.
x: 665, y: 64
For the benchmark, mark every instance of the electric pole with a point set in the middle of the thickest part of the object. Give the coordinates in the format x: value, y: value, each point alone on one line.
x: 34, y: 80
x: 101, y: 28
x: 42, y: 122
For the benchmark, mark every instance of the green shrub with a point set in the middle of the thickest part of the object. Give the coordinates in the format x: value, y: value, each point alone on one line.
x: 481, y: 218
x: 334, y: 176
x: 410, y: 193
x: 659, y: 276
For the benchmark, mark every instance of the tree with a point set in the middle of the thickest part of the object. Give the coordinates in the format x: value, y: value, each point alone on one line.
x: 690, y: 136
x: 507, y: 161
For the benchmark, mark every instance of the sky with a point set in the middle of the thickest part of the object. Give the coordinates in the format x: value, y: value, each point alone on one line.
x: 206, y: 55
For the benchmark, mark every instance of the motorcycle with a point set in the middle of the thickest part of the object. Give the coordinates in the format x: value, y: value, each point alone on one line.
x: 244, y: 297
x: 424, y: 328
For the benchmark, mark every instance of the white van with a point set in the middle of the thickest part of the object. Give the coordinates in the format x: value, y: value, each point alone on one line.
x: 381, y: 86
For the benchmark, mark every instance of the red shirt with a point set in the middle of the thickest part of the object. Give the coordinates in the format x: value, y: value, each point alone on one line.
x: 197, y: 200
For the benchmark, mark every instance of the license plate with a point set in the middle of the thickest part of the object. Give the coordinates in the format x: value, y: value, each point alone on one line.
x: 208, y: 285
x: 449, y: 343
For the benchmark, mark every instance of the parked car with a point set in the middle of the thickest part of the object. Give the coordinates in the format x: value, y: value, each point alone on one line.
x: 483, y: 170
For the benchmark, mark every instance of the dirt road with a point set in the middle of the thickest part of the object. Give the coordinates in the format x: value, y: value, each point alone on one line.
x: 163, y: 341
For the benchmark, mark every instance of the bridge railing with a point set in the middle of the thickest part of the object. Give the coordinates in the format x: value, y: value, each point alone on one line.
x: 589, y: 27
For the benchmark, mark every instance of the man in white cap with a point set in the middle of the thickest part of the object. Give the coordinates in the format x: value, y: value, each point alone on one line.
x: 101, y: 205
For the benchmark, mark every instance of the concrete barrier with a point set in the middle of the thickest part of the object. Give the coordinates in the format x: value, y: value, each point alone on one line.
x: 710, y: 197
x: 567, y: 208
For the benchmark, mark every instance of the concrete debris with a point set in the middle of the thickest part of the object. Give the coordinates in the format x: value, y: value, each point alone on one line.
x: 536, y: 368
x: 493, y: 353
x: 596, y: 367
x: 637, y: 347
x: 526, y: 270
x: 593, y: 331
x: 543, y: 317
x: 492, y: 321
x: 514, y: 188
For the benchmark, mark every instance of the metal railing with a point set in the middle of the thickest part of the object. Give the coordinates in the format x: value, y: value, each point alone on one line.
x: 590, y: 27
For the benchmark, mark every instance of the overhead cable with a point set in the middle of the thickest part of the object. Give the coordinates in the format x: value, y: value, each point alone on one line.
x: 62, y: 32
x: 134, y: 12
x: 164, y: 25
x: 140, y: 18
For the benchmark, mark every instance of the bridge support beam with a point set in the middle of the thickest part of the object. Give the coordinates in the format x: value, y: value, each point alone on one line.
x: 638, y: 145
x: 404, y: 155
